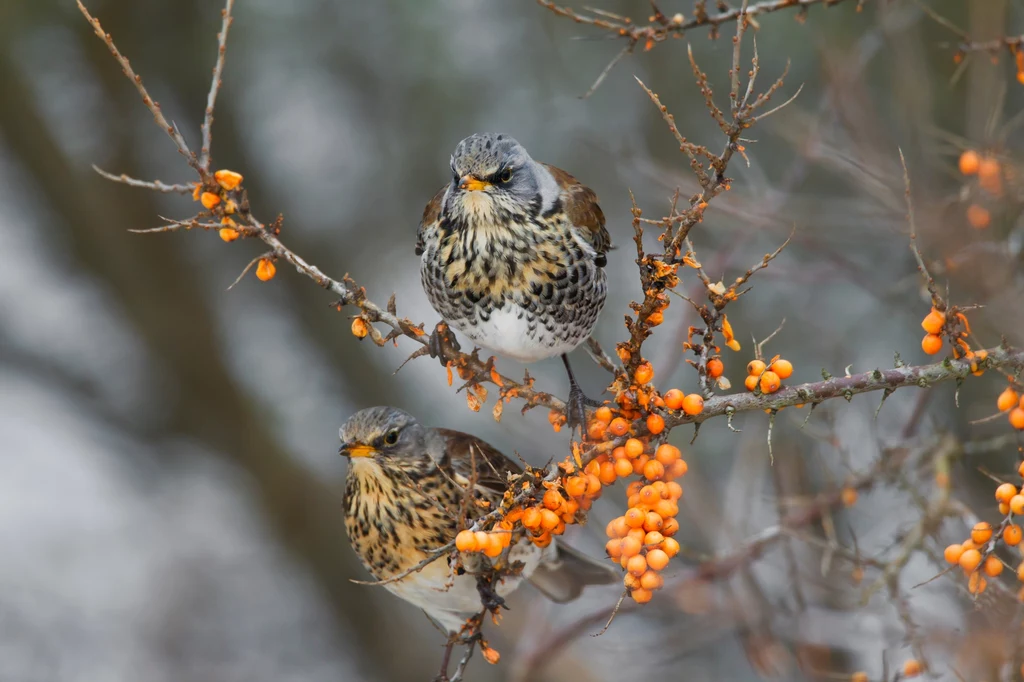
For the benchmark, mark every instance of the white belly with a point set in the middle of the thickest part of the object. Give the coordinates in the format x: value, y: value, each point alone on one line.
x: 508, y: 332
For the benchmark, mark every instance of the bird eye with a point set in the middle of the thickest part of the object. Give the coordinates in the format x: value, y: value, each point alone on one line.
x: 505, y: 175
x: 391, y: 437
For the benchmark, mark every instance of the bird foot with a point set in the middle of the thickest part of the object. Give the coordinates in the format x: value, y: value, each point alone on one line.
x: 576, y: 409
x: 489, y: 598
x: 440, y: 340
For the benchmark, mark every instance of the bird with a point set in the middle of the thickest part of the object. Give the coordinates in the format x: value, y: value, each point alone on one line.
x: 404, y: 491
x: 512, y: 254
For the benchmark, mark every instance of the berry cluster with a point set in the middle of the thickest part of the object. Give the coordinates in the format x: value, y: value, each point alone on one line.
x: 222, y: 200
x: 990, y: 180
x: 767, y: 378
x: 1013, y: 403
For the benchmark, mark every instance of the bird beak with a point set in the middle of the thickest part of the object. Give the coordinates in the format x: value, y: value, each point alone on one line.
x: 356, y: 450
x: 473, y: 184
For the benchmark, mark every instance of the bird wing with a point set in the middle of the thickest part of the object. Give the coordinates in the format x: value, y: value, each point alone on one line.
x: 430, y: 215
x: 492, y: 467
x: 581, y: 206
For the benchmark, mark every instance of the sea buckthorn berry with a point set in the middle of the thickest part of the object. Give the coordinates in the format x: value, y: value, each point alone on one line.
x: 531, y: 518
x: 634, y: 448
x: 1020, y: 573
x: 228, y: 234
x: 1007, y: 400
x: 859, y: 676
x: 969, y: 544
x: 552, y: 500
x: 644, y: 373
x: 693, y: 404
x: 976, y: 584
x: 952, y: 554
x: 619, y: 453
x: 1017, y: 418
x: 593, y: 466
x: 931, y: 344
x: 631, y: 581
x: 849, y: 496
x: 1004, y: 508
x: 639, y: 463
x: 649, y: 496
x: 228, y: 179
x: 483, y: 539
x: 751, y: 382
x: 933, y: 322
x: 912, y: 668
x: 770, y: 382
x: 630, y: 546
x: 677, y: 469
x: 653, y: 538
x: 493, y: 547
x: 603, y: 414
x: 657, y: 559
x: 607, y: 475
x: 969, y: 162
x: 359, y: 328
x: 670, y: 527
x: 715, y: 368
x: 617, y: 528
x: 635, y: 517
x: 465, y: 541
x: 655, y: 424
x: 1005, y: 492
x: 993, y: 566
x: 209, y: 200
x: 634, y: 488
x: 593, y: 486
x: 654, y: 470
x: 548, y: 519
x: 1017, y: 504
x: 784, y: 368
x: 673, y: 490
x: 651, y: 580
x: 641, y: 596
x: 670, y: 547
x: 618, y: 427
x: 595, y: 430
x: 981, y: 533
x: 978, y: 217
x: 623, y: 467
x: 666, y: 508
x: 1012, y: 535
x: 755, y: 367
x: 575, y: 486
x: 653, y: 522
x: 569, y: 510
x: 265, y: 270
x: 1020, y: 470
x: 659, y: 488
x: 637, y: 534
x: 673, y: 399
x: 667, y: 454
x: 970, y: 559
x: 542, y: 540
x: 637, y: 565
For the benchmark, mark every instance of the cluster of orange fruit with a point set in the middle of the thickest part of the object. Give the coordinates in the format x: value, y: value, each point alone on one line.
x: 911, y: 668
x: 222, y: 203
x: 990, y: 179
x: 1013, y: 403
x: 933, y: 324
x: 976, y: 554
x: 768, y: 378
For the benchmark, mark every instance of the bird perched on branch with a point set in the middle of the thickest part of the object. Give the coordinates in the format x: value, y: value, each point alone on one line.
x: 513, y: 254
x: 406, y: 489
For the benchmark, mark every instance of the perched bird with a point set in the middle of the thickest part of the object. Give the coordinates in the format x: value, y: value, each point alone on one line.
x: 404, y: 492
x: 513, y: 254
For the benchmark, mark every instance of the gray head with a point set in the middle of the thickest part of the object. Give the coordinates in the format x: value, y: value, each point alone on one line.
x: 381, y: 431
x: 496, y: 166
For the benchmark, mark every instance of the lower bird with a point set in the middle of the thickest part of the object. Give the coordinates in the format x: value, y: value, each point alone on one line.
x: 513, y: 254
x: 405, y: 487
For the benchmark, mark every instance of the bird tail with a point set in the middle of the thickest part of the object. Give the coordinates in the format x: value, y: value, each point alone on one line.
x: 562, y: 577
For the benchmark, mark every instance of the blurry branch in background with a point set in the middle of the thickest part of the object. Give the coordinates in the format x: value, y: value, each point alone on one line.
x: 994, y: 47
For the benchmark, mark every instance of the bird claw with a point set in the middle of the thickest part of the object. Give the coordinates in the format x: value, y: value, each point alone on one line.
x: 486, y: 373
x: 490, y: 599
x: 440, y: 341
x: 576, y: 408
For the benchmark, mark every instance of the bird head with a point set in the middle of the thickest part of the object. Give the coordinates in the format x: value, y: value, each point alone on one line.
x: 381, y: 432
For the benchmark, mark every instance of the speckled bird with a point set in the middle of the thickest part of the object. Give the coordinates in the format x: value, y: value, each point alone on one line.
x: 513, y: 254
x: 403, y: 495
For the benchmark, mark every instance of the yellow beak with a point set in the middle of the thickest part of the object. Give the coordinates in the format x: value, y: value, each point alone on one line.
x: 473, y: 184
x: 358, y: 450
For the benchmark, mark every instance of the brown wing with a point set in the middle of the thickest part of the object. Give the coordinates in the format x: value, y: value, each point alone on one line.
x: 583, y: 210
x: 492, y: 467
x: 430, y: 214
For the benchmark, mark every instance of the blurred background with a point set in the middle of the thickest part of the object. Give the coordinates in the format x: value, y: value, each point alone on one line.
x: 169, y: 484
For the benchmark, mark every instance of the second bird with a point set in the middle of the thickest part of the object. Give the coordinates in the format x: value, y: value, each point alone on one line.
x: 513, y: 254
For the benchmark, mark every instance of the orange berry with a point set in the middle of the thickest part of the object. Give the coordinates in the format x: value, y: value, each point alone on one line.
x: 1017, y: 418
x: 859, y: 676
x: 978, y: 217
x: 657, y: 559
x: 1007, y: 400
x: 575, y: 486
x: 659, y: 488
x: 614, y: 549
x: 677, y: 469
x: 548, y: 519
x: 653, y: 522
x: 770, y: 382
x: 552, y: 500
x: 603, y: 414
x: 465, y: 541
x: 1005, y: 492
x: 933, y: 322
x: 653, y: 538
x: 655, y: 318
x: 637, y: 565
x: 641, y: 596
x: 531, y: 518
x: 673, y: 399
x: 969, y: 162
x: 970, y: 559
x: 649, y: 495
x: 593, y: 486
x: 952, y: 554
x: 644, y: 373
x: 670, y: 527
x: 360, y: 328
x: 617, y: 528
x: 265, y: 270
x: 784, y: 368
x: 618, y: 427
x: 751, y: 382
x: 1017, y: 504
x: 1012, y: 535
x: 608, y: 475
x: 630, y: 546
x: 595, y: 430
x: 623, y: 468
x: 693, y: 404
x: 619, y: 453
x: 667, y: 454
x: 228, y: 234
x: 593, y: 466
x: 666, y: 508
x: 673, y: 490
x: 1020, y: 573
x: 715, y: 368
x: 635, y: 517
x: 849, y: 496
x: 1004, y: 508
x: 227, y: 179
x: 968, y: 544
x: 671, y: 547
x: 654, y: 470
x: 631, y: 581
x: 634, y: 487
x: 931, y: 344
x: 976, y: 584
x: 209, y: 200
x: 755, y: 367
x: 993, y: 566
x: 637, y: 534
x: 542, y: 540
x: 1020, y: 470
x: 495, y: 546
x: 651, y: 580
x: 655, y: 424
x: 981, y: 533
x: 490, y: 655
x: 634, y: 448
x: 912, y: 668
